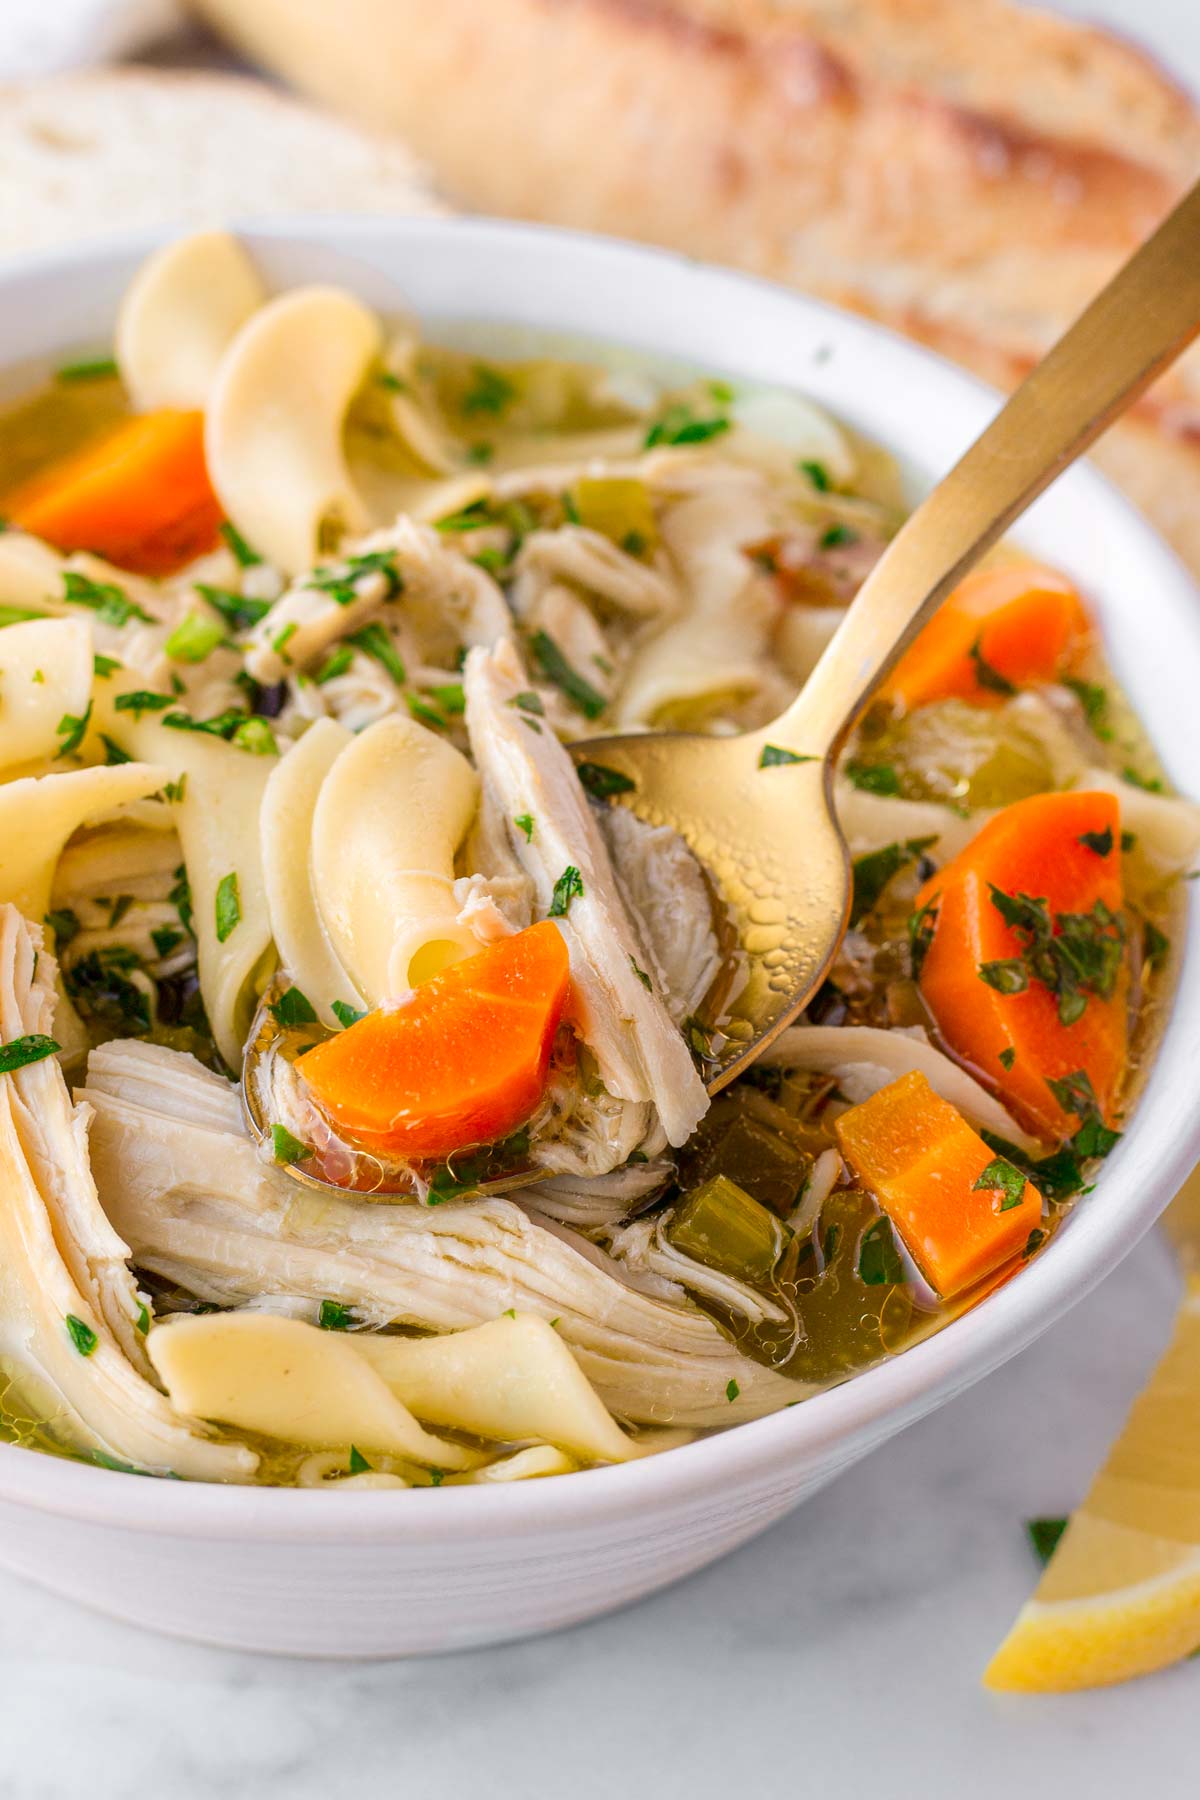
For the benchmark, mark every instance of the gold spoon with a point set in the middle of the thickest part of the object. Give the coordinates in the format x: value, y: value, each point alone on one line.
x: 758, y: 809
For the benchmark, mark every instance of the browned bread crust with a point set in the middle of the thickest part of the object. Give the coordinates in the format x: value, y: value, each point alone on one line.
x: 969, y: 170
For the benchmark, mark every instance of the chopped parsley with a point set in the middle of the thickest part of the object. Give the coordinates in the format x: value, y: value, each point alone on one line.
x: 921, y: 926
x: 524, y: 822
x: 428, y: 715
x: 180, y: 897
x: 142, y: 701
x: 238, y: 611
x: 88, y: 368
x: 336, y: 664
x: 873, y: 778
x: 1099, y: 841
x: 554, y: 665
x: 1043, y: 1535
x: 680, y: 425
x: 100, y: 984
x: 451, y: 698
x: 64, y: 924
x: 1094, y: 701
x: 375, y: 641
x: 988, y: 677
x: 194, y: 639
x: 601, y: 781
x: 490, y: 392
x: 1155, y: 944
x: 341, y: 584
x: 529, y: 701
x: 480, y: 454
x: 143, y: 1318
x: 166, y: 938
x: 18, y: 1053
x: 817, y: 473
x: 1007, y: 1057
x: 282, y: 639
x: 358, y: 1462
x: 873, y: 872
x: 81, y: 1335
x: 837, y: 536
x: 879, y: 1262
x: 104, y: 666
x: 333, y: 1316
x: 110, y: 605
x: 293, y: 1008
x: 468, y: 518
x: 732, y: 1390
x: 72, y: 729
x: 641, y: 974
x: 1001, y: 1177
x: 568, y: 887
x: 245, y: 557
x: 1074, y: 955
x: 775, y: 757
x: 1034, y: 1241
x: 1149, y: 784
x: 114, y: 755
x: 287, y: 1149
x: 228, y: 907
x: 345, y: 1014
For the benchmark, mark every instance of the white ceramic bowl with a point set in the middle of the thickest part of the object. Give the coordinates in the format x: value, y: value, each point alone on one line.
x: 377, y: 1574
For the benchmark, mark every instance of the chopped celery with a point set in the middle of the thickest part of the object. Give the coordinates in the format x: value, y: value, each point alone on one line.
x: 721, y: 1226
x: 760, y: 1159
x: 619, y: 506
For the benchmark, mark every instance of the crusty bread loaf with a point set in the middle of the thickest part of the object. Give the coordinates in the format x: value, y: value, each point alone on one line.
x: 89, y: 154
x: 968, y: 170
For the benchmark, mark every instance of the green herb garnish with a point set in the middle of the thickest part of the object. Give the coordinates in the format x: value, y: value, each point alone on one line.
x: 285, y: 1148
x: 568, y: 887
x: 336, y: 664
x: 1074, y: 955
x: 345, y: 1014
x: 165, y: 938
x: 836, y: 536
x: 879, y: 1262
x: 333, y: 1316
x: 245, y: 557
x: 375, y: 641
x: 114, y: 754
x: 104, y: 666
x: 1043, y: 1535
x: 554, y: 665
x: 1003, y: 1179
x: 88, y: 368
x: 72, y: 729
x: 255, y: 736
x: 228, y: 907
x: 64, y: 924
x: 987, y: 676
x: 490, y: 392
x: 873, y: 872
x: 81, y: 1335
x: 873, y: 778
x: 238, y: 612
x: 773, y: 756
x: 817, y: 473
x: 110, y: 605
x: 524, y: 822
x: 358, y: 1462
x: 601, y: 781
x: 18, y: 1053
x: 680, y: 425
x: 1099, y: 841
x: 142, y: 701
x: 732, y: 1390
x: 293, y: 1008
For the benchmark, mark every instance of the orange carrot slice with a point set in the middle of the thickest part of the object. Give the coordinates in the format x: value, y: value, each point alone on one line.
x: 140, y: 497
x: 1002, y: 629
x: 461, y: 1062
x: 962, y: 1210
x: 1064, y: 850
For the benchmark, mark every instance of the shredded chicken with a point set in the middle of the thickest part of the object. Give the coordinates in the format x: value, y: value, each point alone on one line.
x: 185, y: 1185
x: 640, y: 1054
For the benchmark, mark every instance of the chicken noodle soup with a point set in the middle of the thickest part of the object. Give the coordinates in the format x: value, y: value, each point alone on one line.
x: 299, y: 611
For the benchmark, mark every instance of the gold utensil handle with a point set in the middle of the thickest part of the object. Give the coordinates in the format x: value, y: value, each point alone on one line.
x: 1129, y: 334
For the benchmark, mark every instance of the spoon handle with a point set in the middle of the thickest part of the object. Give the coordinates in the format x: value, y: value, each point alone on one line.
x: 1130, y: 333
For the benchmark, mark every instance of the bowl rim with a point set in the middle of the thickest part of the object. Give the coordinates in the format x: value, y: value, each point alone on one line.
x: 833, y: 1427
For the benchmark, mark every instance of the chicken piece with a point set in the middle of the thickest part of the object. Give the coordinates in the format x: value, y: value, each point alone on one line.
x: 201, y: 1208
x: 70, y: 1315
x: 622, y: 1020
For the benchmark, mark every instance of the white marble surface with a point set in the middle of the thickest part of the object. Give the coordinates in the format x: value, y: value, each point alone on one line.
x: 837, y: 1657
x: 844, y: 1648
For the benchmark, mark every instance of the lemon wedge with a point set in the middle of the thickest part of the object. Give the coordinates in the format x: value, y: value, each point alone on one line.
x: 1121, y: 1594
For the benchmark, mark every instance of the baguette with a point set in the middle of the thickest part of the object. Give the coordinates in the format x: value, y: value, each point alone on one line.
x: 969, y: 171
x: 82, y: 156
